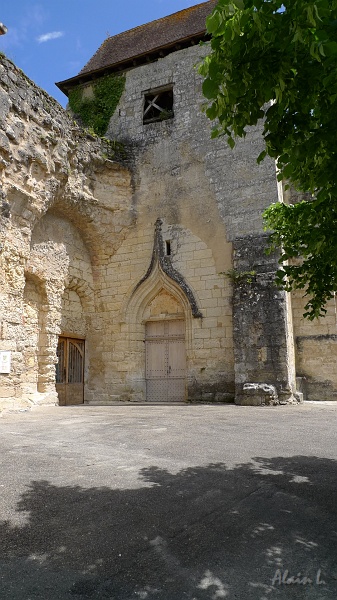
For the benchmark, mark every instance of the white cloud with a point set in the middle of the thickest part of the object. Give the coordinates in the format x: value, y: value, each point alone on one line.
x: 53, y: 35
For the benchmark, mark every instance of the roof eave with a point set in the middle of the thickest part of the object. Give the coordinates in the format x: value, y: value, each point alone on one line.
x: 66, y: 85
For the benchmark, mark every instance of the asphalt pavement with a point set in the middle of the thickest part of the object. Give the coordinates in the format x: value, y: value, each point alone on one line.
x: 195, y: 502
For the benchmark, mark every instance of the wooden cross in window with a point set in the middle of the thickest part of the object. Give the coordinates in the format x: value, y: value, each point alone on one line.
x: 152, y: 104
x: 158, y: 106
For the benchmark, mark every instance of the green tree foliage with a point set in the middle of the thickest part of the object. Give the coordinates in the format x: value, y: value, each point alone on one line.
x: 277, y: 60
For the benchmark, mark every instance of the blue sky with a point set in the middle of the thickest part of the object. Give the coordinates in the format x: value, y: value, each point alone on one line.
x: 51, y: 40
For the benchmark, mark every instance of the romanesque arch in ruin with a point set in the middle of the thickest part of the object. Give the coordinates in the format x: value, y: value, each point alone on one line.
x: 36, y: 357
x: 60, y: 262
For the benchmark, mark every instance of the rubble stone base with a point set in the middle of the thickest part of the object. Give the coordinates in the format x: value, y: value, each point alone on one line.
x: 257, y: 394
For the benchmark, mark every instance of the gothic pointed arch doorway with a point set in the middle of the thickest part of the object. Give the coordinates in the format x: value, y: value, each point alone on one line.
x: 158, y: 321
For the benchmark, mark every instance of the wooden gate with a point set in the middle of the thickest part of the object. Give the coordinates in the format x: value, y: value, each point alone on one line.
x: 70, y: 371
x: 165, y: 361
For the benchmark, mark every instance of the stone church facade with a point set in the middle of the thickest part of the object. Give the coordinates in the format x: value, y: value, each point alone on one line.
x: 144, y: 278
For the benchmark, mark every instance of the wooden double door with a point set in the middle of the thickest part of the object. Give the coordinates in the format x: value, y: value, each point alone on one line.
x: 70, y: 371
x: 165, y: 361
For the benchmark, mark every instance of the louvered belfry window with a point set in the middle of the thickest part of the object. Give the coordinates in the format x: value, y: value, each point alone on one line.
x: 158, y: 105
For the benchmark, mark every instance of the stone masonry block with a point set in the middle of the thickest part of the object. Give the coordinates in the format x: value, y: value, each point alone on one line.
x: 257, y: 394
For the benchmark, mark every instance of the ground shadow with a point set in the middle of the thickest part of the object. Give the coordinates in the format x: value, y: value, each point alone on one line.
x: 204, y: 533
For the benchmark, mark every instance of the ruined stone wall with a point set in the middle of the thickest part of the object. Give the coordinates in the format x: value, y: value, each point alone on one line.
x: 75, y: 246
x: 99, y: 250
x: 59, y: 227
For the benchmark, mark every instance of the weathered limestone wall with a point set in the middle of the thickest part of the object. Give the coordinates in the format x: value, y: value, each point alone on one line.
x: 94, y: 249
x: 199, y: 185
x: 179, y: 167
x: 262, y: 314
x: 58, y: 229
x: 76, y: 244
x: 316, y: 350
x: 209, y: 343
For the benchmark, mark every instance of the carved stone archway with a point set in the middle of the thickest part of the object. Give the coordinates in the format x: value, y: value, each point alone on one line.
x: 162, y: 294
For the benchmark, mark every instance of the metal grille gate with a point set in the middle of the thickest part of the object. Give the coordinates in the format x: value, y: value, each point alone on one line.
x: 70, y: 371
x: 165, y: 361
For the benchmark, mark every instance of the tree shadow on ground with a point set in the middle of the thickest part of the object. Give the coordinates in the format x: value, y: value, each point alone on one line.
x: 203, y: 533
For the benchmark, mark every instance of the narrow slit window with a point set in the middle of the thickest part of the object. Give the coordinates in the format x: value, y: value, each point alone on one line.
x: 158, y: 106
x: 168, y: 247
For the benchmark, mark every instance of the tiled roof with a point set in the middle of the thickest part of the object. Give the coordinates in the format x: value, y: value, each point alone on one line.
x: 149, y: 38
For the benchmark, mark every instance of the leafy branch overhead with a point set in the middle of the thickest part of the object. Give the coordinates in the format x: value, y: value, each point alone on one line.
x: 276, y: 60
